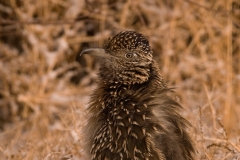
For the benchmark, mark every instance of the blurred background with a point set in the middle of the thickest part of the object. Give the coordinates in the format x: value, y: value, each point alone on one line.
x: 44, y: 91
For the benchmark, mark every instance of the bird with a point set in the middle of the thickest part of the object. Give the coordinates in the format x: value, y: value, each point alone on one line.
x: 131, y: 115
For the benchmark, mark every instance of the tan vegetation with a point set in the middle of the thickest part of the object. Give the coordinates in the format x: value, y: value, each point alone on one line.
x: 44, y: 91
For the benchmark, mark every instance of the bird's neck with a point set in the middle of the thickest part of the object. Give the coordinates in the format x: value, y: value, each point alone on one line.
x: 113, y: 84
x: 112, y: 95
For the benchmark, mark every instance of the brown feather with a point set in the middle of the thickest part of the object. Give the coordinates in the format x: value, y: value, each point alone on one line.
x: 131, y: 115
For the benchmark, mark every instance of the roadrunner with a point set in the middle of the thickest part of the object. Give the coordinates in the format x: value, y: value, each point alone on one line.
x: 131, y: 115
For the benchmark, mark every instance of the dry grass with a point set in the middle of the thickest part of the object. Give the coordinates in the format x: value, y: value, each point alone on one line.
x: 43, y: 91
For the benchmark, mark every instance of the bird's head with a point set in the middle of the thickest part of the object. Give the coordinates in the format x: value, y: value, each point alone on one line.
x: 125, y: 58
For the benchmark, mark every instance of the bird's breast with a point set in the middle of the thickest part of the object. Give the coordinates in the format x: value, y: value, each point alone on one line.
x: 127, y: 129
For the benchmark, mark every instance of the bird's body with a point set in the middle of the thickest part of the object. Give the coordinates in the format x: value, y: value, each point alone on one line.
x: 131, y: 115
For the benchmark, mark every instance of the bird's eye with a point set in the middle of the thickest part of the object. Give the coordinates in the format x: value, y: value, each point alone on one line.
x: 130, y: 55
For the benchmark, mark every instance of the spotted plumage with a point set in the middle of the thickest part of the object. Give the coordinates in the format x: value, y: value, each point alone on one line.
x: 129, y: 41
x: 131, y: 116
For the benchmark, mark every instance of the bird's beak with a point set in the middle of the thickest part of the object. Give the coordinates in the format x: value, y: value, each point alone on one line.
x: 98, y: 52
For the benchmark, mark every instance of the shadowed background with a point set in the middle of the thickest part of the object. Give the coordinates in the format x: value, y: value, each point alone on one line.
x: 44, y: 91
